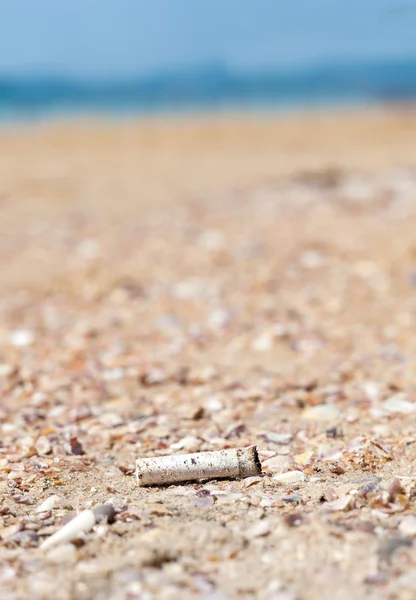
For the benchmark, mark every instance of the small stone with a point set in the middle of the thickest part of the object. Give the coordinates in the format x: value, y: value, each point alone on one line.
x: 111, y: 419
x: 75, y: 446
x: 24, y: 499
x: 88, y: 249
x: 21, y: 338
x: 158, y: 510
x: 275, y: 437
x: 235, y: 430
x: 7, y: 574
x: 153, y: 377
x: 263, y: 343
x: 249, y: 481
x: 197, y: 413
x: 288, y: 478
x: 399, y: 404
x: 260, y: 529
x: 389, y: 546
x: 48, y: 504
x: 341, y: 504
x: 311, y: 259
x: 5, y: 370
x: 305, y: 458
x: 293, y: 519
x: 408, y: 526
x: 266, y: 501
x: 321, y: 412
x: 43, y: 446
x: 113, y: 374
x: 205, y: 501
x: 105, y: 512
x: 212, y: 239
x: 293, y: 498
x: 218, y: 319
x: 26, y: 538
x: 189, y: 443
x: 275, y: 464
x: 213, y: 404
x: 64, y: 554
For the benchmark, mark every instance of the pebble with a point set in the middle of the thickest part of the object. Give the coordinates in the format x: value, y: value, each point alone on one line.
x: 260, y: 529
x: 21, y: 338
x: 341, y: 504
x: 305, y: 458
x: 277, y: 437
x: 218, y: 319
x: 249, y: 481
x: 88, y: 249
x: 321, y: 412
x: 26, y: 538
x: 104, y: 512
x: 407, y: 526
x: 189, y: 443
x: 64, y: 554
x: 290, y: 477
x: 212, y: 239
x: 263, y: 343
x: 48, y: 504
x: 204, y: 501
x: 275, y: 464
x: 294, y: 498
x: 399, y: 404
x: 389, y: 546
x: 43, y: 446
x: 213, y: 404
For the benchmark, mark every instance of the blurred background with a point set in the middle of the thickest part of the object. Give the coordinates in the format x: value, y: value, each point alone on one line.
x: 95, y: 55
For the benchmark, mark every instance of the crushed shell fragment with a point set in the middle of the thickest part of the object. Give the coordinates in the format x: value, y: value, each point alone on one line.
x: 79, y: 524
x: 289, y: 477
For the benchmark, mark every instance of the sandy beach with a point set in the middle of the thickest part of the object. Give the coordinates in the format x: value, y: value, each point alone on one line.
x: 199, y: 283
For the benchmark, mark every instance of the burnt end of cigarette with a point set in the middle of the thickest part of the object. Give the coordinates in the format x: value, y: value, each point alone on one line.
x: 249, y: 462
x: 234, y: 462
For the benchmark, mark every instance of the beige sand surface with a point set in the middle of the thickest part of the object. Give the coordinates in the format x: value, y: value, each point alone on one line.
x: 194, y: 284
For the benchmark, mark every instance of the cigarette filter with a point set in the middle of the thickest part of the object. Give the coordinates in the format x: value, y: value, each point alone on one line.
x: 234, y: 462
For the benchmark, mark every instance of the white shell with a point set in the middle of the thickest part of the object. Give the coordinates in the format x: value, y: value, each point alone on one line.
x: 79, y: 524
x: 408, y: 525
x: 399, y: 404
x: 289, y: 477
x: 259, y: 529
x: 47, y: 504
x: 63, y: 554
x: 321, y: 412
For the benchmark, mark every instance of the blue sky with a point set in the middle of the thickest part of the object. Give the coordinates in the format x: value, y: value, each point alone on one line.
x: 119, y: 37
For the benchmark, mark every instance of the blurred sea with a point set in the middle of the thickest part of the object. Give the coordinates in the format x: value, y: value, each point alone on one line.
x: 211, y: 87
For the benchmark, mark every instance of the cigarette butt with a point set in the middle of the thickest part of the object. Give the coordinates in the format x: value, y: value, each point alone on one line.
x: 82, y: 523
x: 79, y: 524
x: 234, y: 462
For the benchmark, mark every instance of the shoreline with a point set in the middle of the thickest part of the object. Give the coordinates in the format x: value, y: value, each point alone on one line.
x: 233, y: 112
